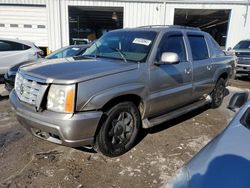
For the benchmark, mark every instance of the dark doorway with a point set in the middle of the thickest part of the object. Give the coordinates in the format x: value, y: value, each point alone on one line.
x: 89, y: 23
x: 212, y: 21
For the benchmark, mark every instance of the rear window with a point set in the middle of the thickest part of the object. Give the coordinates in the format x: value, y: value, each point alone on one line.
x: 12, y: 46
x: 198, y: 47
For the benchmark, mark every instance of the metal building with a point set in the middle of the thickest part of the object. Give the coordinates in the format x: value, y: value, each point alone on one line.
x: 57, y: 23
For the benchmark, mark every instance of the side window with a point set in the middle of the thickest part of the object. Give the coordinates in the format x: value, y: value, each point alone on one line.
x: 12, y: 46
x: 58, y: 55
x: 70, y: 52
x: 25, y: 47
x: 16, y: 46
x: 173, y: 43
x: 217, y: 50
x: 198, y: 47
x: 4, y: 46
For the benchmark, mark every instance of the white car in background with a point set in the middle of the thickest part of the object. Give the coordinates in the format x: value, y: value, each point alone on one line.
x: 14, y: 51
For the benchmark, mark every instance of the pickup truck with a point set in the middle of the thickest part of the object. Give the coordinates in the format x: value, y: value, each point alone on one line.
x: 242, y: 52
x: 127, y: 80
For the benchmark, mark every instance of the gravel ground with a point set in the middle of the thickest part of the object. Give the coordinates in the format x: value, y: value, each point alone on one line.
x: 27, y: 161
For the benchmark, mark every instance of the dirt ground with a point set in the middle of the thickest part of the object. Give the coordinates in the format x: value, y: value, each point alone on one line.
x: 26, y: 161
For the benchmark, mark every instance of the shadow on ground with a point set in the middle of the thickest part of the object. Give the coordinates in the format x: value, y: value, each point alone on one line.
x: 243, y: 78
x: 168, y: 124
x: 5, y: 97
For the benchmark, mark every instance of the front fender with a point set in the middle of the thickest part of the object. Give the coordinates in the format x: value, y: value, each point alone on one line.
x: 98, y: 100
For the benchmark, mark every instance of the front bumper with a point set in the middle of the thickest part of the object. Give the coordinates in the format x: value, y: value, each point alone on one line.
x: 71, y: 130
x: 242, y: 69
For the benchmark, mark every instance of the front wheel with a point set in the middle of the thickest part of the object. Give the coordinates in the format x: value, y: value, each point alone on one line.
x: 218, y: 93
x: 119, y: 131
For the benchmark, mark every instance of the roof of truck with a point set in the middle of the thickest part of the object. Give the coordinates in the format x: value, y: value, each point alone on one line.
x: 159, y: 28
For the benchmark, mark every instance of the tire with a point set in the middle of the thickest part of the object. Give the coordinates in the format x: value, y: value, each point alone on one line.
x: 218, y: 93
x: 119, y: 130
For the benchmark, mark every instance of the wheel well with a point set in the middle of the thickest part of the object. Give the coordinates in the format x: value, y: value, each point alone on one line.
x: 224, y: 76
x: 130, y: 97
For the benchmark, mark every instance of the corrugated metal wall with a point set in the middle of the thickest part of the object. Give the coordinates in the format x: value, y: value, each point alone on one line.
x: 149, y: 13
x: 26, y: 2
x: 54, y: 24
x: 140, y: 12
x: 25, y: 23
x: 239, y: 23
x: 135, y: 14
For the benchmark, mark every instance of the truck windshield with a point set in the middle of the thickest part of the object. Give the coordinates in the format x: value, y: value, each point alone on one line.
x: 123, y: 45
x: 243, y: 45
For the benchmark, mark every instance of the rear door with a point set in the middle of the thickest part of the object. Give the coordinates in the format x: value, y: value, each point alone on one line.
x: 202, y: 65
x: 171, y: 84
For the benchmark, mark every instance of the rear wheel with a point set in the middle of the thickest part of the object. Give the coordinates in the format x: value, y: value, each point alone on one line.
x: 119, y: 131
x: 218, y: 93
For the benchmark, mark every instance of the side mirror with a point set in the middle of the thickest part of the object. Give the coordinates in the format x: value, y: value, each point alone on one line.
x: 229, y: 49
x: 169, y: 58
x: 238, y: 100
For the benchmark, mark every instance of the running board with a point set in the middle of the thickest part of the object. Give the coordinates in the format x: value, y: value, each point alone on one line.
x: 148, y: 123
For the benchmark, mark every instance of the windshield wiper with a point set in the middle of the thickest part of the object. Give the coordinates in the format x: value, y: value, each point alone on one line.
x: 120, y: 52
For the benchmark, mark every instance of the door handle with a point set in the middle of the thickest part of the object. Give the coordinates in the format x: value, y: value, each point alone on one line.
x: 209, y: 67
x: 188, y: 70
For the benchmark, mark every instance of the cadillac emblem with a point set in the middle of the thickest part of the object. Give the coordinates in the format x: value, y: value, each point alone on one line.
x: 21, y: 89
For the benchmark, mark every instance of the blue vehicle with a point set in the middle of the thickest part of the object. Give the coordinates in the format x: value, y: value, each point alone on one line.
x: 225, y: 161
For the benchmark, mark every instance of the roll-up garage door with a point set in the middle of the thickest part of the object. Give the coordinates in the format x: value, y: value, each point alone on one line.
x: 25, y: 23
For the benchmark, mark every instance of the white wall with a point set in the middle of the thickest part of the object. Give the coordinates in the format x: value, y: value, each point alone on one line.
x: 138, y: 13
x: 237, y: 28
x: 145, y: 13
x: 26, y: 2
x: 21, y: 16
x: 135, y: 14
x: 54, y: 24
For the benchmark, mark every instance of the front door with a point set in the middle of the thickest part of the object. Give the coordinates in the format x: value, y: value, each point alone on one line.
x: 171, y: 84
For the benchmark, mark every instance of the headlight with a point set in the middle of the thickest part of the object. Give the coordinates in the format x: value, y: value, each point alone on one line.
x: 61, y: 98
x: 18, y: 81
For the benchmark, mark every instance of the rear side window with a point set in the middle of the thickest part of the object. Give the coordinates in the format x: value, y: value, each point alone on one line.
x: 173, y: 43
x: 4, y: 46
x: 12, y: 46
x: 216, y: 48
x: 25, y: 47
x: 198, y: 47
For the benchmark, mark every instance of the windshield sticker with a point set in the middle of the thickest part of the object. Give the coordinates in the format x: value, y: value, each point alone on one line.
x: 75, y: 49
x: 142, y: 41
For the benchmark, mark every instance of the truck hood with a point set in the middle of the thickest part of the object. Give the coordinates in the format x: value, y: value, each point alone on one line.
x: 69, y: 70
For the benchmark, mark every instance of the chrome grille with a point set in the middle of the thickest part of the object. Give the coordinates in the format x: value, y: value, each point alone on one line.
x: 27, y: 90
